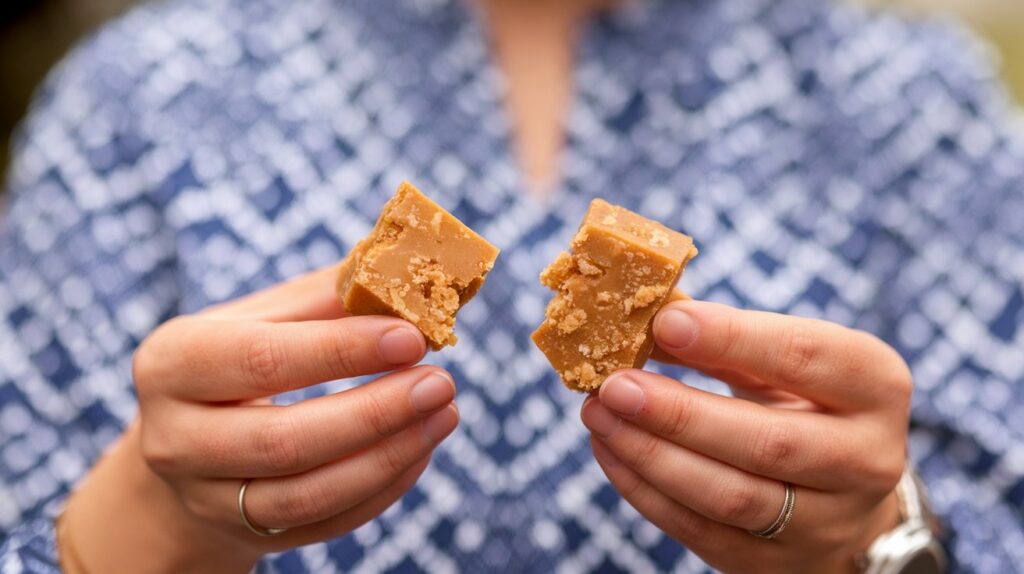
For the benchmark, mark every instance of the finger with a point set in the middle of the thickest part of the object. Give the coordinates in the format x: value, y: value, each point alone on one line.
x: 304, y: 298
x: 836, y: 367
x: 214, y: 361
x: 771, y: 396
x: 743, y: 386
x: 812, y: 449
x: 274, y: 440
x: 311, y: 497
x: 715, y: 490
x: 730, y: 376
x: 350, y: 520
x: 324, y: 492
x: 721, y: 546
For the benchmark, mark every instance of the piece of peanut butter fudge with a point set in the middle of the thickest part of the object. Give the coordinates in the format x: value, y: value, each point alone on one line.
x: 419, y: 263
x: 621, y: 270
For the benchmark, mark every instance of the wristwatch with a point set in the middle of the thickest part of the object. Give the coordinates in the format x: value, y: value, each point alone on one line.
x: 912, y: 547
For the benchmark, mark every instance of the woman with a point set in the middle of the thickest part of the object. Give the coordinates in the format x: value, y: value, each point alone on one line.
x: 197, y: 154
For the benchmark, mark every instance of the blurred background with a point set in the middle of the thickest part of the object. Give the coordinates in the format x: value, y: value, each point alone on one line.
x: 34, y: 34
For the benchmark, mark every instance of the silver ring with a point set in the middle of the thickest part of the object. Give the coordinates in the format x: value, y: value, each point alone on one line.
x: 245, y: 517
x: 785, y: 515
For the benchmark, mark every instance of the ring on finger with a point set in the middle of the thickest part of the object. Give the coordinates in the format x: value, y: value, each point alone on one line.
x: 784, y: 518
x: 259, y: 530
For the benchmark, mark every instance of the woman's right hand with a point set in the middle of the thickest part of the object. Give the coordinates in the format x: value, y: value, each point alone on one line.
x: 319, y: 467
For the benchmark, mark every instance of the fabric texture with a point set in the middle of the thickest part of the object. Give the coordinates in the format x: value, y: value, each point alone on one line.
x: 829, y: 163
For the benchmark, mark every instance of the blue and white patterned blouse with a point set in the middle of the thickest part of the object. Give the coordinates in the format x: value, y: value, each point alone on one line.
x: 829, y: 163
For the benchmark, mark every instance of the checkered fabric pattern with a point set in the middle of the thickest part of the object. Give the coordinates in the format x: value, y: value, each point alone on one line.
x: 829, y: 163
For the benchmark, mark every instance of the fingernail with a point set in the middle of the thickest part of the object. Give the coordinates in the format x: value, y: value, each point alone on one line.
x: 675, y: 329
x: 623, y: 395
x: 599, y: 419
x: 439, y: 425
x: 432, y: 392
x: 401, y: 345
x: 604, y: 454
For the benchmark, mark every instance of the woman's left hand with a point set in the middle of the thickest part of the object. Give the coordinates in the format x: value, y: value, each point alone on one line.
x: 819, y: 406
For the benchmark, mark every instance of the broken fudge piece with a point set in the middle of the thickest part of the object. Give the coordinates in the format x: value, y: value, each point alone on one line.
x: 419, y: 263
x: 621, y: 270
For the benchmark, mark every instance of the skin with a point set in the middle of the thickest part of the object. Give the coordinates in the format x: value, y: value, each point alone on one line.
x: 543, y: 60
x: 205, y: 423
x: 817, y: 405
x: 533, y: 43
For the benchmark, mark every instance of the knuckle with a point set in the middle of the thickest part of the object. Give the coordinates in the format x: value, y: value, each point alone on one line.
x: 391, y: 458
x: 902, y: 380
x: 193, y: 506
x: 888, y: 478
x: 883, y: 472
x: 144, y: 368
x: 835, y: 453
x: 738, y: 504
x: 686, y: 525
x: 773, y: 448
x: 732, y: 337
x: 198, y: 506
x: 263, y: 360
x: 303, y: 503
x: 904, y: 389
x: 798, y: 353
x: 340, y: 353
x: 413, y: 473
x: 680, y: 412
x: 378, y: 416
x: 889, y: 368
x: 629, y: 486
x: 158, y: 454
x: 148, y: 362
x: 279, y: 444
x: 645, y: 453
x: 408, y: 481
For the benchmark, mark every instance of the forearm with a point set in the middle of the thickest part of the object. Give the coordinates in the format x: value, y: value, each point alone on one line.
x: 126, y: 518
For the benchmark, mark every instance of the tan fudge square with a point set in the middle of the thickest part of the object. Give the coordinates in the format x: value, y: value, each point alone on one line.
x: 621, y: 270
x: 419, y: 263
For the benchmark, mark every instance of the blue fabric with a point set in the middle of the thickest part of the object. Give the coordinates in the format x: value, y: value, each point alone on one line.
x: 829, y: 163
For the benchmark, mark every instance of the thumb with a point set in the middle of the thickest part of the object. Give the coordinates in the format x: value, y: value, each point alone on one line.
x: 308, y: 297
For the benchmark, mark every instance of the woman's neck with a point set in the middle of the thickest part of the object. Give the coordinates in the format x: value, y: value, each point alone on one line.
x: 533, y: 42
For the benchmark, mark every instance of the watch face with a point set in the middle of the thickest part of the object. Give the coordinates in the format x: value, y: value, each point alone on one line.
x: 924, y: 562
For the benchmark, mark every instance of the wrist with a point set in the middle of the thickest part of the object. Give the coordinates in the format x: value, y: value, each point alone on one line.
x: 124, y: 517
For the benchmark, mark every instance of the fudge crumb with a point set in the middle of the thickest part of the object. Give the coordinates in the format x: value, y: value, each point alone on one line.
x: 586, y: 267
x: 646, y: 295
x: 572, y: 320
